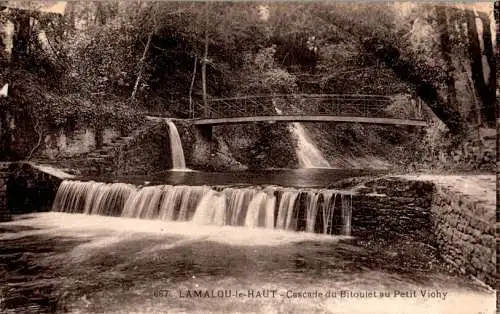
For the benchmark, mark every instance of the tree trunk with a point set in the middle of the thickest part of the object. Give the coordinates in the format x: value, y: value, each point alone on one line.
x: 21, y: 35
x: 204, y: 66
x: 474, y: 115
x: 490, y: 57
x: 475, y: 54
x: 141, y: 65
x: 446, y: 54
x: 100, y: 15
x: 191, y: 109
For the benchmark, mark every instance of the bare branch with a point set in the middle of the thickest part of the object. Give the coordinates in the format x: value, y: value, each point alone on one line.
x: 39, y: 131
x: 191, y: 87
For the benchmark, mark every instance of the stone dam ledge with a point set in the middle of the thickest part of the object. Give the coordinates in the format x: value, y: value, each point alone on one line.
x: 479, y: 189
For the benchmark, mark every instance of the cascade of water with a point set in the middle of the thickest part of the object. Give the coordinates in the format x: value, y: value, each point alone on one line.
x: 346, y: 214
x: 112, y: 199
x: 190, y: 199
x: 172, y: 198
x: 312, y: 210
x: 178, y: 161
x: 285, y: 209
x: 261, y: 210
x: 308, y: 154
x: 69, y: 198
x: 250, y: 206
x: 328, y: 210
x: 211, y: 210
x: 238, y: 201
x: 270, y: 207
x: 91, y: 197
x: 143, y: 203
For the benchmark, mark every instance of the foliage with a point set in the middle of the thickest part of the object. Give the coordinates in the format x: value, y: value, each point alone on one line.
x: 96, y: 53
x: 263, y: 76
x: 54, y: 110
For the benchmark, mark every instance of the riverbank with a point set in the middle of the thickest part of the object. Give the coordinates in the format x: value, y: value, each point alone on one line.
x: 88, y: 264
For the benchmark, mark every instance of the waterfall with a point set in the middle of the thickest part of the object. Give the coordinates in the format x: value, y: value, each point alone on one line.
x: 261, y: 211
x: 346, y: 214
x: 285, y: 209
x: 312, y: 211
x: 237, y: 199
x: 211, y: 210
x: 178, y: 161
x: 271, y: 207
x: 308, y: 154
x: 328, y: 211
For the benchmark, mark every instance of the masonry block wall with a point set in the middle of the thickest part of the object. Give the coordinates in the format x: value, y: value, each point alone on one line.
x: 461, y: 228
x: 4, y: 174
x: 147, y: 153
x: 392, y: 208
x: 465, y: 233
x: 29, y: 189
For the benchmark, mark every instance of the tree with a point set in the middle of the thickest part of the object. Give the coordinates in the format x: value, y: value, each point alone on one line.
x: 447, y: 57
x: 485, y: 92
x: 375, y: 32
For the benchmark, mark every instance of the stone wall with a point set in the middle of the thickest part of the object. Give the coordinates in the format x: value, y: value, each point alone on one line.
x: 465, y: 233
x: 30, y: 189
x: 204, y: 153
x: 147, y: 153
x: 4, y: 175
x: 64, y: 143
x: 18, y: 138
x: 460, y: 227
x: 390, y: 208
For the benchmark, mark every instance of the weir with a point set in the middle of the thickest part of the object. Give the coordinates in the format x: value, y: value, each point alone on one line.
x: 272, y: 207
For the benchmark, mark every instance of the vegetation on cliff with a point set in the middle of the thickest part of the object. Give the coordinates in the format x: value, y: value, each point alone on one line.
x: 110, y: 61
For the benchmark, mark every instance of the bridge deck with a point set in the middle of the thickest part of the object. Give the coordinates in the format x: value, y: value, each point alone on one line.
x: 307, y: 118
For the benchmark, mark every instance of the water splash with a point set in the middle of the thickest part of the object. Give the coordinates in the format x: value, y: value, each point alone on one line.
x: 285, y: 209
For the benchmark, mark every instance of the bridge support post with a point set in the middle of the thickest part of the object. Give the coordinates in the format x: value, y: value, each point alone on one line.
x: 205, y: 131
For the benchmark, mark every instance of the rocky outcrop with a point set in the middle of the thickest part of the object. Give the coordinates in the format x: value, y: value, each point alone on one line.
x: 4, y: 175
x: 145, y: 152
x: 203, y: 153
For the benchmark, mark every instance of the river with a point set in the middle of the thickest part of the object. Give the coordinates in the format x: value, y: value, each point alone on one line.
x: 269, y: 241
x: 299, y: 178
x: 95, y: 264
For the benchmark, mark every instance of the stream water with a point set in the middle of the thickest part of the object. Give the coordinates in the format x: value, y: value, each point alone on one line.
x: 188, y: 241
x: 315, y: 210
x: 178, y: 160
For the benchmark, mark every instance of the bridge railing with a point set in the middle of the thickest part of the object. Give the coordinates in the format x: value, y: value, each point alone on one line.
x: 310, y: 104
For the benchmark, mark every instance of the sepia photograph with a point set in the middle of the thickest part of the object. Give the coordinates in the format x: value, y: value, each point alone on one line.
x: 248, y: 156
